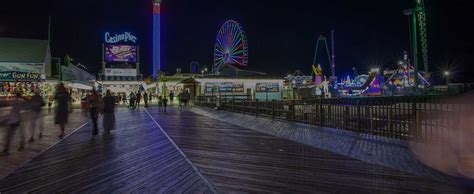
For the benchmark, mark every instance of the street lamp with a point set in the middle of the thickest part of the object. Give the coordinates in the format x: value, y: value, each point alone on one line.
x: 446, y: 75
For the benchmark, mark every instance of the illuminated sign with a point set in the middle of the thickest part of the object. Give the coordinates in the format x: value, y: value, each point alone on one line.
x: 124, y: 37
x: 21, y: 76
x: 120, y: 53
x: 120, y: 72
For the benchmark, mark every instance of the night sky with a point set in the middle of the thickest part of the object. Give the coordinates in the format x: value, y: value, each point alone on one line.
x: 281, y: 34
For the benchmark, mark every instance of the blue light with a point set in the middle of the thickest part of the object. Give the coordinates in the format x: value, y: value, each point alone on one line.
x: 156, y: 44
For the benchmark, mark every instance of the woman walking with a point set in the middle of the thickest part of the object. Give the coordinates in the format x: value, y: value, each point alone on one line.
x: 109, y: 112
x: 62, y: 98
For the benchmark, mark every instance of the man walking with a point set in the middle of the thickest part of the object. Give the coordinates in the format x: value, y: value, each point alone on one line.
x: 36, y: 105
x: 145, y: 98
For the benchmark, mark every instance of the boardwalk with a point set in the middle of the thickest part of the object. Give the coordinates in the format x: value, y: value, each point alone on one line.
x: 136, y: 158
x: 50, y: 137
x: 203, y: 154
x: 238, y: 159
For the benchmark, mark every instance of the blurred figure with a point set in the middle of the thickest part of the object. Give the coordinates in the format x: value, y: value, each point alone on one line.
x: 145, y: 98
x: 36, y: 105
x: 151, y: 98
x: 94, y: 104
x: 452, y: 150
x: 160, y: 103
x: 171, y: 98
x: 138, y: 98
x: 17, y: 104
x: 63, y: 100
x: 84, y: 106
x: 165, y: 104
x: 132, y: 100
x: 108, y: 112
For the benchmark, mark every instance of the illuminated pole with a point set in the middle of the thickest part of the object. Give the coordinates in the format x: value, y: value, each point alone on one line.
x: 156, y: 38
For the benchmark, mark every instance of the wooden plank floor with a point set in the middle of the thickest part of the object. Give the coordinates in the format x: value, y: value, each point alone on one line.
x: 50, y: 137
x: 236, y: 159
x: 136, y: 158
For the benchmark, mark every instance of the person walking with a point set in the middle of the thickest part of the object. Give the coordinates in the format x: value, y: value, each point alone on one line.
x: 145, y: 98
x: 94, y: 104
x: 108, y: 112
x: 63, y: 99
x: 17, y: 104
x: 36, y: 105
x: 131, y: 103
x: 151, y: 99
x: 171, y: 98
x: 165, y: 104
x: 138, y: 98
x: 160, y: 103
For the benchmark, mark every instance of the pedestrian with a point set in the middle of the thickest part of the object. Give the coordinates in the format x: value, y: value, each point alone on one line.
x: 17, y: 104
x: 63, y: 100
x: 151, y: 98
x: 94, y: 105
x: 131, y: 100
x: 36, y: 105
x: 165, y: 104
x: 171, y: 98
x: 138, y: 98
x: 160, y: 103
x: 181, y: 100
x: 145, y: 98
x: 108, y: 112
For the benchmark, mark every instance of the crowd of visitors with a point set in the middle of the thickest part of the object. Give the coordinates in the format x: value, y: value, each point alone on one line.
x: 28, y: 110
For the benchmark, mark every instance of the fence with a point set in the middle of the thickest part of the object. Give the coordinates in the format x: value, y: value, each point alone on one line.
x: 411, y: 118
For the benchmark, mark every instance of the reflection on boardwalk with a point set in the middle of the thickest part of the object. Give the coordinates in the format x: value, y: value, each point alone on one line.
x: 136, y: 158
x: 238, y: 159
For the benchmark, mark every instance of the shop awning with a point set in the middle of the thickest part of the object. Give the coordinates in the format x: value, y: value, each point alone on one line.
x: 80, y: 86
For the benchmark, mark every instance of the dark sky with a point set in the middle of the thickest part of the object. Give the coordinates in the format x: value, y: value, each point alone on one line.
x: 281, y: 34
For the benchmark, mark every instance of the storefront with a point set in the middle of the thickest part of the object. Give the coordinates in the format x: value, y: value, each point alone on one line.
x: 24, y: 66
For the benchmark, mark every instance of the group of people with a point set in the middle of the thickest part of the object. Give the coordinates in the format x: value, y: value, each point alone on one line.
x: 21, y: 109
x: 12, y: 118
x: 136, y: 98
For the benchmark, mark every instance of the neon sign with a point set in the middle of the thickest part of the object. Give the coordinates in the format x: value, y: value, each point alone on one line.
x: 124, y: 37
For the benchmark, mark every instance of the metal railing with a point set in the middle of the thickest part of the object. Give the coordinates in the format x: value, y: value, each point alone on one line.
x: 411, y: 118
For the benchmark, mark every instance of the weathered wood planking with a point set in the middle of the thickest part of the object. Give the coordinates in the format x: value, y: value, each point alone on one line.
x: 137, y: 157
x: 236, y: 159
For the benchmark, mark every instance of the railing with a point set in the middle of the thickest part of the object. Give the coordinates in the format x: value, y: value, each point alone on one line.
x: 412, y: 118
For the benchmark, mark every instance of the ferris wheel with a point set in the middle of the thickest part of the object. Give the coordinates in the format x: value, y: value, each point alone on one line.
x: 231, y: 46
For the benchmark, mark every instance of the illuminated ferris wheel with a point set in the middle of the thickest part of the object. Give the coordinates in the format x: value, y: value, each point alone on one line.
x: 231, y: 46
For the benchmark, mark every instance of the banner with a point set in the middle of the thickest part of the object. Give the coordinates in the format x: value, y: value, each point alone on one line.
x: 268, y: 87
x: 120, y: 72
x: 226, y: 87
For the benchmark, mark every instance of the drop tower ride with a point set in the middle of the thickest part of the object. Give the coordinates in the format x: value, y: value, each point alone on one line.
x: 156, y: 38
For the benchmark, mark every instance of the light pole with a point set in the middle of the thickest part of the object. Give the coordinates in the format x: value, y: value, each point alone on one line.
x: 447, y: 74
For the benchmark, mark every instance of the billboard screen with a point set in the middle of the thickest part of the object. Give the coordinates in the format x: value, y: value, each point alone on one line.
x: 120, y: 53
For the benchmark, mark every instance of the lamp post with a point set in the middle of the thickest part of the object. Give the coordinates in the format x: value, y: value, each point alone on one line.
x: 447, y: 74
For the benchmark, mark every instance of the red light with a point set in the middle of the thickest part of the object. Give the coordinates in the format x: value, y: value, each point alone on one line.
x: 156, y: 8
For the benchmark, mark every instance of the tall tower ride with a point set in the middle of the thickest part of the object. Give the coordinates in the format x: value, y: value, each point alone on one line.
x: 156, y: 38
